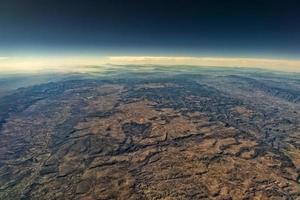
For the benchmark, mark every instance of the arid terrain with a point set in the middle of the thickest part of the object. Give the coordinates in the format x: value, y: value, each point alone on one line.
x: 158, y: 133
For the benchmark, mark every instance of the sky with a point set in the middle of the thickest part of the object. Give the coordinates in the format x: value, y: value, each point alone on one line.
x: 148, y: 28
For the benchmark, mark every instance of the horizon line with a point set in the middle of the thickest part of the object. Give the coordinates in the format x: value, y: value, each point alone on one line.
x: 69, y: 63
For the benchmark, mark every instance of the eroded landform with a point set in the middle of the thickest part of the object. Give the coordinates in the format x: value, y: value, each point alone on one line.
x: 181, y: 136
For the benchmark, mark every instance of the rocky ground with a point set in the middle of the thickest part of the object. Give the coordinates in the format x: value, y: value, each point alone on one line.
x: 191, y: 135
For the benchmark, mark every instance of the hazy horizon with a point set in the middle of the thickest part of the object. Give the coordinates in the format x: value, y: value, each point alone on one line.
x: 84, y: 64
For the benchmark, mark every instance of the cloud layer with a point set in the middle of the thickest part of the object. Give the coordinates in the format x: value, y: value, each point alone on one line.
x: 273, y: 64
x: 83, y: 64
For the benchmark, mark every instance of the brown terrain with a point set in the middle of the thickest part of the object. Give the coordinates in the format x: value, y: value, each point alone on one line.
x: 149, y: 140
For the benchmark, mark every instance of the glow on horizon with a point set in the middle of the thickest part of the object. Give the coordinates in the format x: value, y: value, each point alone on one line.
x: 272, y: 64
x: 84, y: 64
x: 60, y: 64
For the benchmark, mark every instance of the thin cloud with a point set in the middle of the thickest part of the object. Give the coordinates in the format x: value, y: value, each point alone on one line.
x: 83, y: 64
x: 275, y: 64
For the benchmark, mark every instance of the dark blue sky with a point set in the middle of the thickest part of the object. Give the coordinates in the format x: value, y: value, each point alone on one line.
x: 241, y: 28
